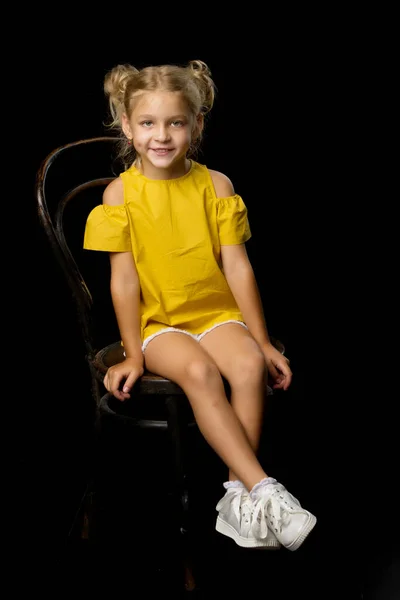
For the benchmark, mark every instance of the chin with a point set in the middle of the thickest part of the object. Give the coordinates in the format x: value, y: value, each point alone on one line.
x: 164, y: 162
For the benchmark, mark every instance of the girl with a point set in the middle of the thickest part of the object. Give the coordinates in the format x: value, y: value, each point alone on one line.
x: 184, y: 291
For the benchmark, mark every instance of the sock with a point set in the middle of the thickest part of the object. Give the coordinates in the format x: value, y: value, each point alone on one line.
x: 233, y: 484
x: 261, y: 484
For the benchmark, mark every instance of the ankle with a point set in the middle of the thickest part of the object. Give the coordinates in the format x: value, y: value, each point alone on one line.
x: 266, y: 481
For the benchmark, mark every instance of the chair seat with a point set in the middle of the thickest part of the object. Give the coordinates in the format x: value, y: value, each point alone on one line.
x: 147, y: 384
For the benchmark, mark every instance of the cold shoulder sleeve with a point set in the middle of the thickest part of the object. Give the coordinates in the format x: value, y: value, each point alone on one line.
x: 107, y: 228
x: 233, y: 224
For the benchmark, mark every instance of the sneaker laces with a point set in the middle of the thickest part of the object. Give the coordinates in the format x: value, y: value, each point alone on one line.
x: 240, y: 501
x: 246, y: 509
x: 275, y: 502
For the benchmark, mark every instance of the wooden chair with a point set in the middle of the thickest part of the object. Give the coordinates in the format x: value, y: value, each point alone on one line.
x: 69, y: 184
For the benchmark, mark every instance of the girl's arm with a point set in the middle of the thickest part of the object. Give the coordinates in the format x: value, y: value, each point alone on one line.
x: 240, y: 275
x: 242, y: 282
x: 125, y: 294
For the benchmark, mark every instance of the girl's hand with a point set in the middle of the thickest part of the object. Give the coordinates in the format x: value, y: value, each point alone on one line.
x: 129, y: 370
x: 278, y: 367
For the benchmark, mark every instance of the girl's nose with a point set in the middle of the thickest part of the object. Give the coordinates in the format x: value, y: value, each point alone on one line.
x: 162, y: 134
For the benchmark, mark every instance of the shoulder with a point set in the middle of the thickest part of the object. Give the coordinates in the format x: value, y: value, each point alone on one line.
x: 222, y: 184
x: 114, y: 192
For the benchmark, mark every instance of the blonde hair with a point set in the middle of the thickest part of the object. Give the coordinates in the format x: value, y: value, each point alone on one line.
x: 124, y: 83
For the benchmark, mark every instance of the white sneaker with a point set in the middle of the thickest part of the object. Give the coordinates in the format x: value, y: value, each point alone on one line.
x: 278, y: 511
x: 235, y: 520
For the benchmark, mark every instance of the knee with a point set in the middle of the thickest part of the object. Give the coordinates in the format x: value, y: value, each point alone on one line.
x: 201, y: 373
x: 248, y: 368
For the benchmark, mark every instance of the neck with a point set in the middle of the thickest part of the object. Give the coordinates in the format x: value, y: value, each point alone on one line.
x: 173, y: 171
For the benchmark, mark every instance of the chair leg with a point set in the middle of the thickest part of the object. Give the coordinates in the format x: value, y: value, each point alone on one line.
x: 177, y: 429
x: 81, y: 524
x: 88, y: 517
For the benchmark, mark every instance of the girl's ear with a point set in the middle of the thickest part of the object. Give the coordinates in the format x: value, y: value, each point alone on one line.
x: 198, y: 126
x: 126, y: 127
x: 200, y: 123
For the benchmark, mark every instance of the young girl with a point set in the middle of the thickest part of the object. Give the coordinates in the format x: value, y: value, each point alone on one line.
x: 184, y: 291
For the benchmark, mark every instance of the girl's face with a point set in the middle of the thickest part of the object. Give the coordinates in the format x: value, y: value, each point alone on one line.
x: 161, y: 128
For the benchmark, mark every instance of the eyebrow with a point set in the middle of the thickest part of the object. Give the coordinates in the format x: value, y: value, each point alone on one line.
x: 151, y: 117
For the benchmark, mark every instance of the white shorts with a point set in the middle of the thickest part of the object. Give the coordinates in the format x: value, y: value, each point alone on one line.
x: 195, y: 336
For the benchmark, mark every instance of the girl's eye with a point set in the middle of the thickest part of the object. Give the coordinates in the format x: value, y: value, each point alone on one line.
x: 177, y: 123
x: 146, y: 123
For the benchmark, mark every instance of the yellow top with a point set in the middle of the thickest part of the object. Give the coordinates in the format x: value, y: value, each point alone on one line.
x: 175, y: 229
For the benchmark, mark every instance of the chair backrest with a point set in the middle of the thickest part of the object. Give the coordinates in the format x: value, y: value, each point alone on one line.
x: 69, y: 183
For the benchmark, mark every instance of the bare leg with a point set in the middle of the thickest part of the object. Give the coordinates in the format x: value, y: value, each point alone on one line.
x: 241, y: 362
x: 181, y: 359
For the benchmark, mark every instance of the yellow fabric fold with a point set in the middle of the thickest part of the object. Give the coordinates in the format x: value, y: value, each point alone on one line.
x: 107, y: 228
x: 233, y: 225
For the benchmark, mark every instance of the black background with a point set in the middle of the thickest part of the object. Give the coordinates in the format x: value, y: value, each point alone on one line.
x: 287, y: 129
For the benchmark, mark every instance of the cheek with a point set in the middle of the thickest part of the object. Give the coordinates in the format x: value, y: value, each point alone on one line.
x: 187, y: 136
x: 183, y: 137
x: 140, y: 136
